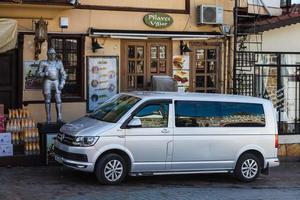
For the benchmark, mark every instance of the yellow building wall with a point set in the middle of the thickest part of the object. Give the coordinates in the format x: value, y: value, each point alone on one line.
x: 165, y: 4
x: 71, y: 111
x: 82, y: 19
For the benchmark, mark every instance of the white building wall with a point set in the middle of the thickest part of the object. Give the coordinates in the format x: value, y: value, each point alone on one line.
x: 285, y: 39
x: 269, y: 3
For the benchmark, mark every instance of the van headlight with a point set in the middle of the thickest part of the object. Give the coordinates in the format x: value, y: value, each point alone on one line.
x: 85, y: 141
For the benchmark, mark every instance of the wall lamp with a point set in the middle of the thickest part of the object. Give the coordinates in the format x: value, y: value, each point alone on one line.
x: 184, y: 48
x: 225, y: 29
x: 96, y: 45
x: 41, y: 33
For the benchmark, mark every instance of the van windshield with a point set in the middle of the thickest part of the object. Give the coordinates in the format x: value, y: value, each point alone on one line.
x: 113, y: 109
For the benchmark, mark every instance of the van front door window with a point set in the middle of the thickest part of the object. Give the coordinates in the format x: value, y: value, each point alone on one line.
x: 154, y: 116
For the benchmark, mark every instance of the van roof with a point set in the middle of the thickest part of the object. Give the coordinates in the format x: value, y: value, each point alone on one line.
x: 188, y: 95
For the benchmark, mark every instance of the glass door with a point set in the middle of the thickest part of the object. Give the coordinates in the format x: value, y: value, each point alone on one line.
x: 159, y: 59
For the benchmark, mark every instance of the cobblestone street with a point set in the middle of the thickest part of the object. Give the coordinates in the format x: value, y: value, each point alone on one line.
x: 57, y: 183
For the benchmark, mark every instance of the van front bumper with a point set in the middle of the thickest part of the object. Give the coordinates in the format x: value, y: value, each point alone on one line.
x: 72, y: 157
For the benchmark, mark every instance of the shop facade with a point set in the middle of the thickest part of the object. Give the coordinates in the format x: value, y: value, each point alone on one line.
x: 120, y: 29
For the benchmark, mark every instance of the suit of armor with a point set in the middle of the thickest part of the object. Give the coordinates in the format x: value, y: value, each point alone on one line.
x: 54, y: 77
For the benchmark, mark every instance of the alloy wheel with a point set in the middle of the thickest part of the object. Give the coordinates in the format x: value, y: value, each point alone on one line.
x: 249, y: 168
x: 113, y: 170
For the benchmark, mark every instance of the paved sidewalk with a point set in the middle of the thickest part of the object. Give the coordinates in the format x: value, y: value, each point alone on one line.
x: 58, y: 183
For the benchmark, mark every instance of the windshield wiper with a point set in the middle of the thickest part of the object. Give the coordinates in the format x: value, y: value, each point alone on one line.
x: 93, y: 117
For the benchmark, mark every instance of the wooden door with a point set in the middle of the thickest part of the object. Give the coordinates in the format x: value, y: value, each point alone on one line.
x: 9, y: 79
x: 133, y: 66
x: 205, y: 64
x: 143, y: 59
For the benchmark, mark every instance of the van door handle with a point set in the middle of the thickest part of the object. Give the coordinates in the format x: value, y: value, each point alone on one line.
x: 165, y: 131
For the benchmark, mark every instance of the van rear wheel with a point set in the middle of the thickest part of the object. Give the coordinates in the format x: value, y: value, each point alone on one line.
x: 248, y: 168
x: 111, y: 169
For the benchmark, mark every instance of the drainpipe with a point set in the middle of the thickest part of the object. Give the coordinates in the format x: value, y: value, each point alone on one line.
x: 235, y: 16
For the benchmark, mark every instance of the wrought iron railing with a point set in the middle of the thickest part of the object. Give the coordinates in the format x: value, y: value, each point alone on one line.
x: 274, y: 76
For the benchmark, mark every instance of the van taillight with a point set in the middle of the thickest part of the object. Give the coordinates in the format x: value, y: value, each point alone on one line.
x: 276, y: 141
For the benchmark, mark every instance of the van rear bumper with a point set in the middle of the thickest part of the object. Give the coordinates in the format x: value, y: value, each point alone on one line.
x: 271, y: 162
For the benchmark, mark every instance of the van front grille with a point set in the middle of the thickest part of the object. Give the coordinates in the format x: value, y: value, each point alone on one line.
x: 65, y: 139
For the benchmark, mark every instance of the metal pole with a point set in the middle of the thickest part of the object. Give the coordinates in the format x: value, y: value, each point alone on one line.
x: 279, y: 87
x: 235, y: 15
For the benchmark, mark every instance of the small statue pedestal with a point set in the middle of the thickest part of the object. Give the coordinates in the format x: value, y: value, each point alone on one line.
x: 48, y: 132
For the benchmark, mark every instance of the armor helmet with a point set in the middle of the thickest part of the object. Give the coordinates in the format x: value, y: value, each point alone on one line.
x: 51, y: 51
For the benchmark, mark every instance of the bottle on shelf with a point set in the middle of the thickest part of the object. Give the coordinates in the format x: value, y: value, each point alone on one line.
x: 38, y: 148
x: 17, y: 138
x: 18, y: 125
x: 26, y: 149
x: 30, y: 135
x: 7, y: 128
x: 13, y: 138
x: 37, y: 135
x: 30, y: 148
x: 33, y: 148
x: 21, y: 137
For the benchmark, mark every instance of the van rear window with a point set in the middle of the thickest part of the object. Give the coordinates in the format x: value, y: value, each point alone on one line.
x: 218, y: 114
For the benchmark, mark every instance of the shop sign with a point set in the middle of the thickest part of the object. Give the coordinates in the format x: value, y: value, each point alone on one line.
x: 158, y: 20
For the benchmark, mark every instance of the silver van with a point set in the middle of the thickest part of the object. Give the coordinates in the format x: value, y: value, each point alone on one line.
x: 158, y: 133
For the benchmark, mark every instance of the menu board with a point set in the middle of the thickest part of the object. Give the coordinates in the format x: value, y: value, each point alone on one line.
x: 181, y: 72
x: 102, y: 80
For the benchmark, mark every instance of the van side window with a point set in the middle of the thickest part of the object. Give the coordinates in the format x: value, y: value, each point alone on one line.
x: 243, y: 115
x: 154, y: 115
x: 218, y: 114
x: 197, y: 114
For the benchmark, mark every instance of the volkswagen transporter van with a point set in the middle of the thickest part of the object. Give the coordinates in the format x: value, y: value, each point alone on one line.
x: 157, y: 133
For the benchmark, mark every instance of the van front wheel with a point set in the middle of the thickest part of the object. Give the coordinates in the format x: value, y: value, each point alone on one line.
x: 248, y: 168
x: 111, y: 169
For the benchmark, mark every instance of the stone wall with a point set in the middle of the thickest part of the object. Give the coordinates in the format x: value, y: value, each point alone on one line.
x: 289, y: 150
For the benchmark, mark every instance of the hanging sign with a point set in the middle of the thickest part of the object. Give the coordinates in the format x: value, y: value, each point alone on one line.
x: 158, y: 20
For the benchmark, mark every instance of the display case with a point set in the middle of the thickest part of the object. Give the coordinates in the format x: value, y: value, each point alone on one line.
x: 19, y: 139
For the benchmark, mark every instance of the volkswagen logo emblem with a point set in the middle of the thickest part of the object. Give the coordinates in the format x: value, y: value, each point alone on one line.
x: 61, y: 137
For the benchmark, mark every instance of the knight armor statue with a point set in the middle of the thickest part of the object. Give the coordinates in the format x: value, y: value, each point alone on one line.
x: 54, y: 78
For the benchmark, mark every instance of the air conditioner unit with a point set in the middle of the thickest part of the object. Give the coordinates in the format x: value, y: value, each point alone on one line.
x: 210, y: 14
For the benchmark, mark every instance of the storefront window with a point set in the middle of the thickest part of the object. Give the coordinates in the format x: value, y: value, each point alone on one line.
x: 69, y: 50
x: 205, y: 70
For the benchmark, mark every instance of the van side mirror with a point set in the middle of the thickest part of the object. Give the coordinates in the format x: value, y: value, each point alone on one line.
x: 135, y: 123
